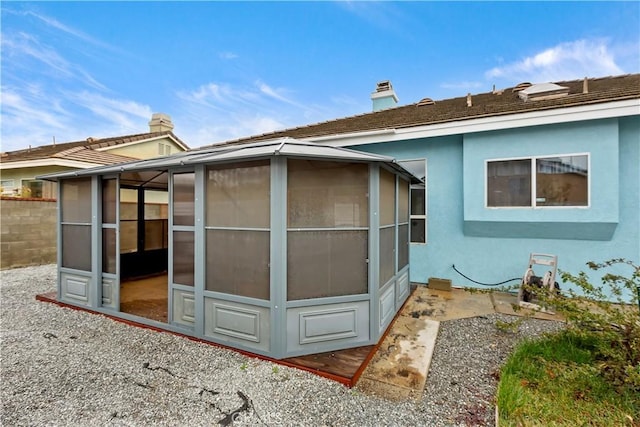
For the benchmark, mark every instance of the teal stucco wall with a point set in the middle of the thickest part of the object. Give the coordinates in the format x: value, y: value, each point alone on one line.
x: 491, y: 245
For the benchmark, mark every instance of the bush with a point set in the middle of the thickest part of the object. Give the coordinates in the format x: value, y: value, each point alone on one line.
x: 612, y: 327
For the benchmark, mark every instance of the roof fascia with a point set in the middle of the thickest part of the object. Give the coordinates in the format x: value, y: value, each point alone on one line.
x: 48, y: 162
x: 624, y: 108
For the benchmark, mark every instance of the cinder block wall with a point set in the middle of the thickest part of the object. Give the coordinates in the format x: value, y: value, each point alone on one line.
x: 28, y: 232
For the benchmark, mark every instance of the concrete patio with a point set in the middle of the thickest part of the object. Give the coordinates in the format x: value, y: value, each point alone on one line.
x: 399, y: 368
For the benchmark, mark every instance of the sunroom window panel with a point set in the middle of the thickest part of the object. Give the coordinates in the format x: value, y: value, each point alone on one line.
x: 387, y: 254
x: 76, y: 247
x: 76, y: 200
x: 403, y: 200
x: 183, y: 198
x: 109, y: 250
x: 326, y: 263
x: 562, y: 181
x: 324, y: 194
x: 238, y: 262
x: 509, y: 183
x: 109, y: 201
x: 403, y: 246
x: 183, y: 252
x: 387, y: 197
x: 155, y: 234
x: 238, y: 195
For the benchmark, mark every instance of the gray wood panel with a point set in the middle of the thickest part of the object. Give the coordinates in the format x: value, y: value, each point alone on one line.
x: 184, y: 307
x: 327, y: 327
x: 235, y: 323
x: 76, y: 288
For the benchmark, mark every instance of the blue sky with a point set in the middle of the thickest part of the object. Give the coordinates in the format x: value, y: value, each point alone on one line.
x: 224, y: 70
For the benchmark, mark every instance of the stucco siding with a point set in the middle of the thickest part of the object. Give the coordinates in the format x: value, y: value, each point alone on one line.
x: 145, y: 150
x: 455, y: 194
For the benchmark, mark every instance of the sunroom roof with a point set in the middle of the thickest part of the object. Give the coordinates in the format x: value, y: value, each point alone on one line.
x: 278, y: 147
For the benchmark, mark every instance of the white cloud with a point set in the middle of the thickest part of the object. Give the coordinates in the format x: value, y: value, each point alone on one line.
x: 24, y: 48
x: 57, y: 25
x: 217, y: 111
x: 565, y: 61
x: 124, y: 115
x: 277, y: 94
x: 228, y: 55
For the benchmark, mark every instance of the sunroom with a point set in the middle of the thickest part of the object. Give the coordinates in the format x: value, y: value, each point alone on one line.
x: 280, y: 248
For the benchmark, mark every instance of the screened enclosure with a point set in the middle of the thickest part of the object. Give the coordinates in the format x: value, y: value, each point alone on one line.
x: 281, y: 248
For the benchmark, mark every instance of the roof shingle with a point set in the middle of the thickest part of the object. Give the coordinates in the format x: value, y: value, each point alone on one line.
x: 503, y: 102
x: 85, y: 150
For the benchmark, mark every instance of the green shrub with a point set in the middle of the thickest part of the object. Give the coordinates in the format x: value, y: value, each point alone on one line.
x: 611, y: 328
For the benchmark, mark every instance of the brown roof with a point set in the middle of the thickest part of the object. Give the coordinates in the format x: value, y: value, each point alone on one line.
x: 489, y: 104
x: 83, y: 150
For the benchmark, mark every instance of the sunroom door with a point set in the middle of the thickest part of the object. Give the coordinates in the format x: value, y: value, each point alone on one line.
x: 182, y: 249
x: 110, y: 243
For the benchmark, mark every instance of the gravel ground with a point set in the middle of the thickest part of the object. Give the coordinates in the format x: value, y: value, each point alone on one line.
x: 65, y: 367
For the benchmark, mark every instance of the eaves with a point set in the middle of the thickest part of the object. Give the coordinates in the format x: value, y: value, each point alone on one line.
x: 624, y: 108
x: 48, y: 162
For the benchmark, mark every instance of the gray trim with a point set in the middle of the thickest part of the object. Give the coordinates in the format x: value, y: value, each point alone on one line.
x: 96, y: 243
x: 208, y: 227
x: 59, y: 240
x: 278, y: 256
x: 200, y: 261
x: 329, y: 229
x: 237, y: 298
x: 262, y: 150
x: 374, y: 248
x: 327, y: 300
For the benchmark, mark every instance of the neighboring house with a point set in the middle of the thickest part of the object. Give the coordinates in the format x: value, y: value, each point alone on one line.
x: 28, y: 213
x: 546, y: 168
x: 18, y: 169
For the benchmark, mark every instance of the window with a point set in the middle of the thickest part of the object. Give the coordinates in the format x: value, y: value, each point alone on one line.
x: 327, y: 229
x: 387, y: 226
x: 183, y: 238
x: 238, y: 206
x: 418, y: 200
x: 7, y: 186
x: 539, y: 181
x: 76, y: 224
x: 37, y: 189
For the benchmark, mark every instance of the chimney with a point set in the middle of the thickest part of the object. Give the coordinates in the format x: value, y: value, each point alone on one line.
x: 384, y: 97
x: 585, y: 86
x: 160, y: 122
x: 469, y: 102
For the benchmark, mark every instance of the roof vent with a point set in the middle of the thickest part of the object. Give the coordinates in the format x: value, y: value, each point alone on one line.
x: 521, y: 86
x: 90, y: 139
x: 543, y: 91
x: 384, y: 97
x: 585, y: 85
x: 425, y: 101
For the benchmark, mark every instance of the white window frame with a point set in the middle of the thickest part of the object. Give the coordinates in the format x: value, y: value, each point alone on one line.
x: 423, y: 187
x: 8, y: 186
x: 534, y: 181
